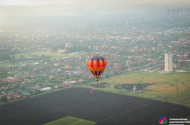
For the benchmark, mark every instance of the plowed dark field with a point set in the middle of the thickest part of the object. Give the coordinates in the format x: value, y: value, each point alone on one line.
x: 101, y: 107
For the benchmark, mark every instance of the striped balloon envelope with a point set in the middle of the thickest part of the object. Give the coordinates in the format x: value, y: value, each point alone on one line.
x: 96, y: 65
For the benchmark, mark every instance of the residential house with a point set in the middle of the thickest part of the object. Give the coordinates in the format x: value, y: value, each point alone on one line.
x: 4, y: 87
x: 34, y: 88
x: 63, y: 85
x: 68, y: 66
x: 57, y: 86
x: 81, y: 80
x: 52, y: 76
x: 10, y: 97
x: 73, y: 82
x: 17, y: 96
x: 26, y: 93
x: 4, y: 92
x: 57, y: 76
x: 56, y: 64
x: 46, y: 84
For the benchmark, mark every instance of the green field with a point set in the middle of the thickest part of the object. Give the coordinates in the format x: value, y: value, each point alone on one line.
x: 69, y: 120
x: 176, y: 36
x: 172, y: 88
x: 40, y: 53
x: 186, y: 70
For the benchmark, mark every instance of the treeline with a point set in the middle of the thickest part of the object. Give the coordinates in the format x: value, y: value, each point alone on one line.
x: 78, y: 49
x: 4, y: 56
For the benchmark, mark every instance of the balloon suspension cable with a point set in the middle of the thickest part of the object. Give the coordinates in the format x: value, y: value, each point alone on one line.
x: 93, y: 87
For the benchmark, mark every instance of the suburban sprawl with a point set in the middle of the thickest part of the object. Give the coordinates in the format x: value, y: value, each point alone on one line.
x: 52, y: 57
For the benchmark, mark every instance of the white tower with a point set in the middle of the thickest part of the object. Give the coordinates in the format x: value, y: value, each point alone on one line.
x: 168, y: 62
x: 134, y: 88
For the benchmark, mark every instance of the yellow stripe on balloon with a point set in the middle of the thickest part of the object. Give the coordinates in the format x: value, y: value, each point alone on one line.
x: 95, y: 64
x: 101, y: 63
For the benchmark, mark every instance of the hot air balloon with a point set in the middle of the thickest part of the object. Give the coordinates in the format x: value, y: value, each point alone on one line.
x: 96, y: 65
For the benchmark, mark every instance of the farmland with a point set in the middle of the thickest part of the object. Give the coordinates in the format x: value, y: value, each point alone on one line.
x: 101, y: 107
x: 70, y: 121
x: 173, y: 88
x: 176, y: 36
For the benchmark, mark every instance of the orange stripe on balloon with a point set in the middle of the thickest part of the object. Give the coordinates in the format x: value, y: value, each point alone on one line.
x: 106, y: 62
x: 89, y: 63
x: 101, y: 64
x: 95, y: 63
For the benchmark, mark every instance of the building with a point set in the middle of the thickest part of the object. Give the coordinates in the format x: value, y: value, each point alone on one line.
x: 168, y: 62
x: 45, y: 89
x: 186, y: 39
x: 96, y: 48
x: 61, y: 50
x: 183, y: 63
x: 68, y: 45
x: 26, y: 93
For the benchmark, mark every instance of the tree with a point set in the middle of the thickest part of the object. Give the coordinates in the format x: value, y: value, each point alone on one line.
x: 28, y: 77
x: 37, y: 91
x: 4, y: 99
x: 142, y: 63
x: 123, y: 67
x: 13, y: 57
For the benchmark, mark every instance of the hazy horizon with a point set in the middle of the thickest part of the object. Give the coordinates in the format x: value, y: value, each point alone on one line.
x: 90, y: 2
x: 23, y: 7
x: 40, y: 8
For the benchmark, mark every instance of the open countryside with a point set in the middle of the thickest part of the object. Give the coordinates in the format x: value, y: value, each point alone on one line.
x: 101, y: 107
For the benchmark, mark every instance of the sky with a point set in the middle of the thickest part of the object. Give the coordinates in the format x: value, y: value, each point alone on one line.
x: 89, y: 2
x: 68, y: 7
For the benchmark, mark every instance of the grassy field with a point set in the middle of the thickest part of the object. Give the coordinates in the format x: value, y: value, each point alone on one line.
x: 172, y: 88
x: 7, y: 62
x: 40, y: 53
x: 187, y: 70
x: 180, y: 35
x: 71, y: 121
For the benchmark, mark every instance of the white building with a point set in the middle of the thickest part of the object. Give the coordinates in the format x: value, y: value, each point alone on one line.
x: 168, y: 62
x: 73, y: 82
x: 68, y: 45
x: 45, y: 89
